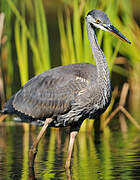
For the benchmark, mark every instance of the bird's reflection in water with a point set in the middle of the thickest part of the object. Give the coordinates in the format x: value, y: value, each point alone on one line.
x: 68, y: 174
x: 32, y: 174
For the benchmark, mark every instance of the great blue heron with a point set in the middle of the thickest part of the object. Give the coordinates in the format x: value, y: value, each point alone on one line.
x: 67, y: 95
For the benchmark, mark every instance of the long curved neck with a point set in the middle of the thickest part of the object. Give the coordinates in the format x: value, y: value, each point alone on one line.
x: 101, y: 63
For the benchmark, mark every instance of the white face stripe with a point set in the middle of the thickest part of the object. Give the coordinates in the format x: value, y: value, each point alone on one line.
x: 100, y: 27
x: 90, y: 19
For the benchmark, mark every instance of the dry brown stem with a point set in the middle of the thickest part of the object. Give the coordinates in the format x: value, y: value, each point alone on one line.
x: 2, y: 117
x: 1, y: 25
x: 1, y: 79
x: 121, y: 108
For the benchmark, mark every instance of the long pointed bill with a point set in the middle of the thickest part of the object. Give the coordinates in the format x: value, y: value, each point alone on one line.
x: 117, y: 33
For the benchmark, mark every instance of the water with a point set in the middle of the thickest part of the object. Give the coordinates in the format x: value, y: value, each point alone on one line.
x: 113, y: 156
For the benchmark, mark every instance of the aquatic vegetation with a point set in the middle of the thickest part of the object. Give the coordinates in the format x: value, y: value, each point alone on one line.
x: 26, y: 51
x: 30, y: 40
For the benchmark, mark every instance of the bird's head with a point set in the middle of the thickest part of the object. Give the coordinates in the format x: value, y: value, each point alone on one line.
x: 100, y: 20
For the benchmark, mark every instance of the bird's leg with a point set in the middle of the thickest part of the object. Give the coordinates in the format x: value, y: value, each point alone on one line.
x: 71, y: 143
x: 33, y: 150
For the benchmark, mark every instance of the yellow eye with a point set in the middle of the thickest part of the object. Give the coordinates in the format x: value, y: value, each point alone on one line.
x: 98, y: 21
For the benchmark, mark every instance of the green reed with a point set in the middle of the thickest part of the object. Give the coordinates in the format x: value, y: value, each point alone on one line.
x: 6, y: 61
x: 129, y: 26
x: 32, y: 38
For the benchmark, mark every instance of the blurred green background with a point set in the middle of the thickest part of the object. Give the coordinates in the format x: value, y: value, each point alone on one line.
x: 41, y: 34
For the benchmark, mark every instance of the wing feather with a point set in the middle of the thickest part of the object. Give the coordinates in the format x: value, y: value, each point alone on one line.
x: 50, y: 93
